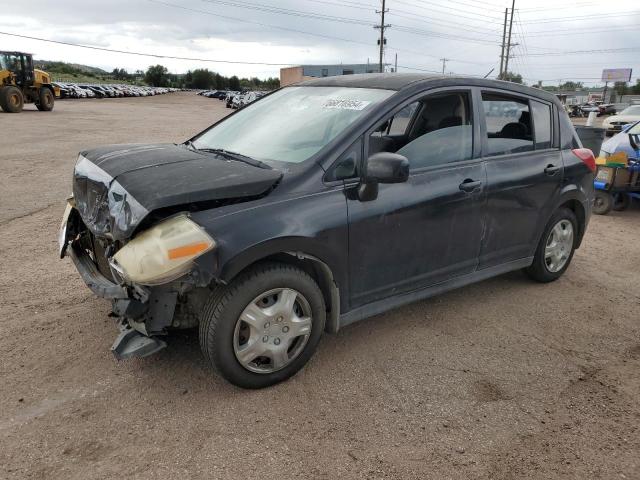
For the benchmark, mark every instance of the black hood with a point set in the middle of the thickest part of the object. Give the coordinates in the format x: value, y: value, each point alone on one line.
x: 117, y: 186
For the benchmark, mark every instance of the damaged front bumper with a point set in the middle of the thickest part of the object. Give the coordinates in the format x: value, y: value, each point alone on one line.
x: 143, y: 314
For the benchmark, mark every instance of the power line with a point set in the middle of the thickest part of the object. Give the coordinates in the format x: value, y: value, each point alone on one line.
x: 141, y: 54
x: 458, y: 26
x: 580, y: 18
x: 286, y: 11
x: 581, y: 31
x: 431, y: 10
x: 579, y: 52
x: 426, y: 33
x: 262, y: 24
x: 293, y: 30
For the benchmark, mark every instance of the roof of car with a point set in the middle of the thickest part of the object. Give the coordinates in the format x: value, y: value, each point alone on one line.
x: 388, y: 81
x: 399, y: 81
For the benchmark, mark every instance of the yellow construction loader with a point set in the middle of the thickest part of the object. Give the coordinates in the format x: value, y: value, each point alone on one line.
x: 20, y: 83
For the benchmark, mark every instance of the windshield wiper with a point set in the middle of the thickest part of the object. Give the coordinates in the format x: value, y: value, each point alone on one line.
x: 235, y: 156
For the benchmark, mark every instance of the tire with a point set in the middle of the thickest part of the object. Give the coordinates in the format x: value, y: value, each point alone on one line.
x: 222, y: 331
x: 11, y: 99
x: 46, y: 99
x: 621, y: 202
x: 548, y: 266
x: 602, y: 203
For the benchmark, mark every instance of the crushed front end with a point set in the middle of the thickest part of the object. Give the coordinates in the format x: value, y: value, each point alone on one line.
x: 151, y: 277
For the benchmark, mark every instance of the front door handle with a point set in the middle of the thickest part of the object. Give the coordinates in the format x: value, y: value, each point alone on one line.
x: 551, y: 170
x: 470, y: 185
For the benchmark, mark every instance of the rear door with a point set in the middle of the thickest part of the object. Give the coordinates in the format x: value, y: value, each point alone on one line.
x: 524, y: 173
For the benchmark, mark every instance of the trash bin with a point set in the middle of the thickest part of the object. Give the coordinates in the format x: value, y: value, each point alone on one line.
x: 591, y: 138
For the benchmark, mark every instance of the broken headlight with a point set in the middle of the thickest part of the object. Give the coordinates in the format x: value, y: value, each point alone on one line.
x: 162, y: 253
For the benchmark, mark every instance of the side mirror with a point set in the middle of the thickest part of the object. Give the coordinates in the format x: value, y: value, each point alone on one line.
x: 383, y: 167
x: 386, y: 167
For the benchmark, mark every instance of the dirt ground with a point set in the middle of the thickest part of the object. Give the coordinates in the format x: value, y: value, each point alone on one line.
x: 504, y: 379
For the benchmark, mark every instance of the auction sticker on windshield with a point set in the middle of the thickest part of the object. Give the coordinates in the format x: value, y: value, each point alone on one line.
x: 342, y: 104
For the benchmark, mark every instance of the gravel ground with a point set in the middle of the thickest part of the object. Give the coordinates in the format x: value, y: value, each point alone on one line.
x: 504, y: 379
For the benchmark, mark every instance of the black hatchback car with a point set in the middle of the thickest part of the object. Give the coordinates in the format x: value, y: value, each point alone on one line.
x: 322, y: 204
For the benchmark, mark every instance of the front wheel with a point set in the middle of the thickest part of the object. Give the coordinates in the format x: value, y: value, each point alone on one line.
x: 263, y: 327
x: 11, y: 99
x: 555, y: 250
x: 46, y: 100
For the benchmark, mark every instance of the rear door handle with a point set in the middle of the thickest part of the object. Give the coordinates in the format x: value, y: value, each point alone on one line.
x: 551, y: 170
x: 470, y: 185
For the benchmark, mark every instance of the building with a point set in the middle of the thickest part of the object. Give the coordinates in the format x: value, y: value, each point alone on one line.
x: 300, y: 73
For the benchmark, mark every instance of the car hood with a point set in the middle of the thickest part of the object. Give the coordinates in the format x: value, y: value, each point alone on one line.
x: 116, y: 187
x: 623, y: 118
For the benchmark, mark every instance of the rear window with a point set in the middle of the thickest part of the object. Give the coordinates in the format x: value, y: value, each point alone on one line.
x: 542, y: 124
x: 508, y: 124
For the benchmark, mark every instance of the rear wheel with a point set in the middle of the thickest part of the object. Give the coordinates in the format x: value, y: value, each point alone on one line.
x: 621, y: 202
x: 11, y: 99
x: 556, y: 247
x: 602, y: 203
x: 264, y: 326
x: 45, y: 100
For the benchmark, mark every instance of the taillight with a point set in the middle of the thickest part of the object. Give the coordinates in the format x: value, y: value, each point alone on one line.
x: 586, y: 156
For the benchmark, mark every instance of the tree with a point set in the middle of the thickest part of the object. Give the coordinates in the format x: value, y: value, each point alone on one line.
x: 635, y: 90
x: 157, y: 76
x: 120, y: 74
x: 201, y: 78
x: 234, y: 83
x: 571, y: 86
x: 621, y: 88
x: 511, y: 77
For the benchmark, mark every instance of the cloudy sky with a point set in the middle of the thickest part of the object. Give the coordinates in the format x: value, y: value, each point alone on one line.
x: 556, y: 40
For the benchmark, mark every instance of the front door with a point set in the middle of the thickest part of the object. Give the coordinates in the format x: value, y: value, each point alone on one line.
x: 524, y: 174
x: 429, y: 229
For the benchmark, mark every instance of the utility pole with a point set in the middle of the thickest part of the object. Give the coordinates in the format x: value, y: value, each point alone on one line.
x: 396, y: 67
x: 504, y: 39
x: 382, y: 27
x: 506, y: 62
x: 444, y: 64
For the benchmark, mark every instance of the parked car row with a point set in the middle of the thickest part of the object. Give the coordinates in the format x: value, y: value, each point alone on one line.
x: 219, y: 94
x: 87, y: 90
x: 585, y: 109
x: 238, y: 100
x: 234, y: 99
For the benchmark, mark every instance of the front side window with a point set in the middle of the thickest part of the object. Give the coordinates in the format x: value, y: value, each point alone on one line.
x: 401, y: 120
x: 438, y: 129
x: 542, y: 124
x: 508, y: 124
x: 292, y: 124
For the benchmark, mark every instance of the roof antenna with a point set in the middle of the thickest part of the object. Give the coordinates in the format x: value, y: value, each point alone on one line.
x: 489, y: 72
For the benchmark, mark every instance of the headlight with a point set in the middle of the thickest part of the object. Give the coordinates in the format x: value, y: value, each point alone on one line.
x: 163, y: 252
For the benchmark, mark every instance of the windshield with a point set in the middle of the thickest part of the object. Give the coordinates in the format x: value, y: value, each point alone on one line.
x: 633, y: 110
x: 9, y: 62
x: 292, y: 124
x: 635, y: 130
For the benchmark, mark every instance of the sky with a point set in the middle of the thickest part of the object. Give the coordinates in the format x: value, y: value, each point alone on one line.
x: 555, y: 40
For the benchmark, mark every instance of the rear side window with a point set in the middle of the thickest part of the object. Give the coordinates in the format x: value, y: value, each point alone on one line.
x: 541, y: 124
x: 508, y: 124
